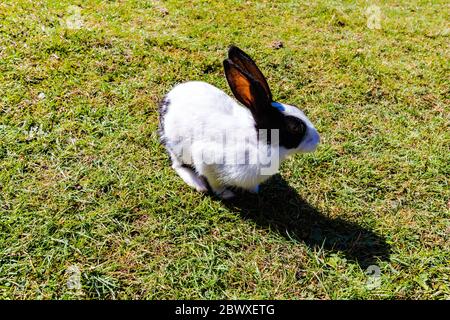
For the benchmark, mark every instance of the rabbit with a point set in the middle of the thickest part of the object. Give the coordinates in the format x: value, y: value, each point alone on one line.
x: 219, y: 144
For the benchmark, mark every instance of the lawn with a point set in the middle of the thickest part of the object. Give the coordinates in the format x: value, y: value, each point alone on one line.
x: 90, y: 208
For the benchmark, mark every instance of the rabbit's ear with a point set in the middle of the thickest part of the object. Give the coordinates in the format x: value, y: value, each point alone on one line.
x: 251, y: 94
x: 246, y: 89
x: 247, y: 64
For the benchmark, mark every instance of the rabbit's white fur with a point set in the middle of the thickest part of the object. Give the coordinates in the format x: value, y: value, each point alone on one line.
x: 199, y: 106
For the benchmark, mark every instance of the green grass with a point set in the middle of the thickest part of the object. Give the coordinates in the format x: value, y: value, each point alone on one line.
x: 85, y: 184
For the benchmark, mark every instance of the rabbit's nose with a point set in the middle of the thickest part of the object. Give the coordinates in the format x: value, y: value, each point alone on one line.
x: 314, y: 137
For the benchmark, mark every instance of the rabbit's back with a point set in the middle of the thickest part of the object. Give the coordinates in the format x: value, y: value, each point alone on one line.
x: 196, y: 97
x: 199, y: 108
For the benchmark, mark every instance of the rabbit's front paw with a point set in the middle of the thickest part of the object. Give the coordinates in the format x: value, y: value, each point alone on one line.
x: 255, y: 189
x: 225, y: 194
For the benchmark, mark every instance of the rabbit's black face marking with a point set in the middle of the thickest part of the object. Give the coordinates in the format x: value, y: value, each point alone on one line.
x: 292, y: 130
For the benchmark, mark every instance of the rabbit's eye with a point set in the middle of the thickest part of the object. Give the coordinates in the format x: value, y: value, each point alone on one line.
x: 292, y: 133
x: 296, y: 127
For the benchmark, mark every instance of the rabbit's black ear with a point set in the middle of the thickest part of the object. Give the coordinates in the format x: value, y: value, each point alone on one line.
x: 247, y: 64
x: 248, y: 91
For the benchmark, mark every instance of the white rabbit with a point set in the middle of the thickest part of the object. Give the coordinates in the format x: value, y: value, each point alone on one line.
x: 215, y: 143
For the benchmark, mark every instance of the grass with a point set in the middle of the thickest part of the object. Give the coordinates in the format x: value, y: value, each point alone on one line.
x: 85, y: 185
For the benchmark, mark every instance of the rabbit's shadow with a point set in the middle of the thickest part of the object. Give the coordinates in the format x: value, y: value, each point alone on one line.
x: 280, y: 208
